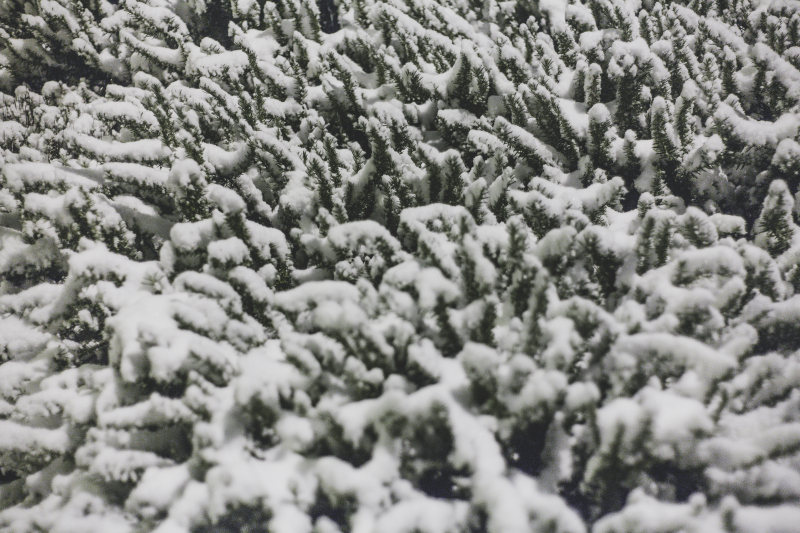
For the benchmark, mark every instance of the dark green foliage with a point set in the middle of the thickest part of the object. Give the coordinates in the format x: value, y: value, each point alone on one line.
x: 469, y: 266
x: 774, y: 228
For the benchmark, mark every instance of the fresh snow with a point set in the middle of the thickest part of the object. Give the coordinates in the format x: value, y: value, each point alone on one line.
x: 404, y: 266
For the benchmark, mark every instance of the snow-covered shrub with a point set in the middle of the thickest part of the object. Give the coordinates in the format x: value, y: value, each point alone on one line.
x: 400, y: 266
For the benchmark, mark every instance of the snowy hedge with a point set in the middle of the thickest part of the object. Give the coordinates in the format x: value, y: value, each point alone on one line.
x: 399, y: 266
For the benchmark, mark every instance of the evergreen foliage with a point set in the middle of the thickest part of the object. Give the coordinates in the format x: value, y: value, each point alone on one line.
x: 399, y: 266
